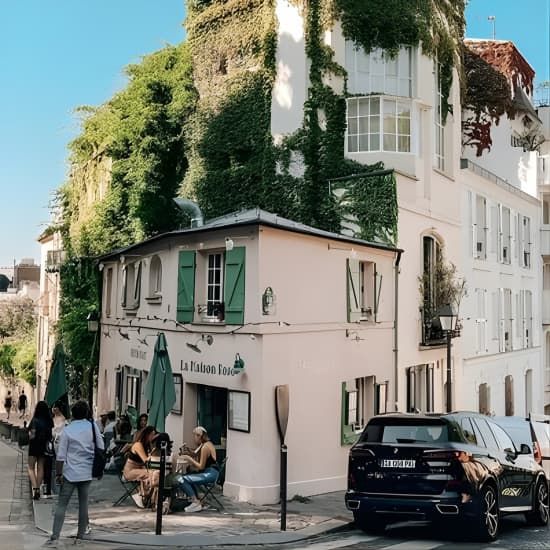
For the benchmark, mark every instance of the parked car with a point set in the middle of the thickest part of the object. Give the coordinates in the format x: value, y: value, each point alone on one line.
x: 456, y: 466
x: 533, y: 431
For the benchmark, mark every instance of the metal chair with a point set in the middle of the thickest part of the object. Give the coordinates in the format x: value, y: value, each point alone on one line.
x: 128, y: 486
x: 209, y: 497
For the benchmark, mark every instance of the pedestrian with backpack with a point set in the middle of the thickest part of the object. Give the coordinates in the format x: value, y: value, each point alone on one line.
x: 8, y: 403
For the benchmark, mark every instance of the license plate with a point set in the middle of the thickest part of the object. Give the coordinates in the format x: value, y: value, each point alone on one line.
x: 397, y: 463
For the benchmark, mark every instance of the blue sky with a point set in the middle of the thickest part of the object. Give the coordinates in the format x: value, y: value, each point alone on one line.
x: 58, y: 54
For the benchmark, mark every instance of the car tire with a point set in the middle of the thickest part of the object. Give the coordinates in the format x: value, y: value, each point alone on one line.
x: 488, y: 522
x: 539, y: 515
x: 371, y: 526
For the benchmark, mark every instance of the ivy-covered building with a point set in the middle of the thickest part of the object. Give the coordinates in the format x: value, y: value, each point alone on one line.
x: 248, y: 302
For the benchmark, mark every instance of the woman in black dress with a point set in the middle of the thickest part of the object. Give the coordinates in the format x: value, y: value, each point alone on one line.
x: 40, y: 434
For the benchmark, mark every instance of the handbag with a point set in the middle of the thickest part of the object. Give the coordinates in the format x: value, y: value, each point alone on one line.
x: 100, y: 460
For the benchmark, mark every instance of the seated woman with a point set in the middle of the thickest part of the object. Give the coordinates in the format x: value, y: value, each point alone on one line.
x: 204, y: 466
x: 135, y: 468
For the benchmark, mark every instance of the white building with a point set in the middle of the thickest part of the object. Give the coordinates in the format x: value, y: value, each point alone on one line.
x: 502, y: 369
x: 51, y: 258
x: 301, y: 307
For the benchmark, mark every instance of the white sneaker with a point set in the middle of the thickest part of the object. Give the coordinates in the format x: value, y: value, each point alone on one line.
x: 138, y: 499
x: 194, y: 507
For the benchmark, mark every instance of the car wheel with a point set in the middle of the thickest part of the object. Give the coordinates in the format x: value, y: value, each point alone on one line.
x: 489, y: 515
x: 371, y: 526
x: 539, y: 515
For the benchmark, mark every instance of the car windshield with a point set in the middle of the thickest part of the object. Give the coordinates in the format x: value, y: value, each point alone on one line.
x: 406, y: 432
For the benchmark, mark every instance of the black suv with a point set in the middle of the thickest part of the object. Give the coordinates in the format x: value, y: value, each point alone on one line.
x: 459, y: 466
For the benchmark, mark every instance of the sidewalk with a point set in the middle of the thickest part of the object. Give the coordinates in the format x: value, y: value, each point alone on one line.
x: 239, y: 523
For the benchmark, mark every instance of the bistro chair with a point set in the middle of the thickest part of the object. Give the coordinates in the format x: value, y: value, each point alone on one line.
x: 130, y: 487
x: 209, y: 497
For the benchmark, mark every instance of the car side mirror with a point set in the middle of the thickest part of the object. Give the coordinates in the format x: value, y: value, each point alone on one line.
x: 525, y: 449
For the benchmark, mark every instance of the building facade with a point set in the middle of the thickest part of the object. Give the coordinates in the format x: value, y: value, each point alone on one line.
x: 300, y: 307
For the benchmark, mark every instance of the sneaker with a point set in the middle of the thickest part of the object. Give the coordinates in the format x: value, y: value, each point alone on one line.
x: 53, y: 543
x: 194, y: 507
x: 138, y: 499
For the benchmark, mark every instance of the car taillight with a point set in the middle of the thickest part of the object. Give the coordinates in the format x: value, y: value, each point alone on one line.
x: 537, y: 453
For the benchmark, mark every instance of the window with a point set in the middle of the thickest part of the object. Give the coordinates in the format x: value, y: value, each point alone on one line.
x: 420, y: 388
x: 133, y: 387
x: 131, y: 286
x: 509, y: 396
x: 108, y: 291
x: 524, y: 319
x: 362, y: 398
x: 439, y: 124
x: 486, y: 433
x: 214, y: 284
x: 468, y: 431
x: 378, y: 72
x: 381, y: 398
x: 481, y: 228
x: 363, y: 290
x: 432, y: 255
x: 525, y: 240
x: 484, y: 396
x: 504, y: 235
x: 503, y: 439
x: 481, y: 320
x: 155, y: 277
x: 502, y: 318
x: 378, y: 123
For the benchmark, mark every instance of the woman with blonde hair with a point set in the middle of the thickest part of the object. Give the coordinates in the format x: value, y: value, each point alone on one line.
x: 205, y: 468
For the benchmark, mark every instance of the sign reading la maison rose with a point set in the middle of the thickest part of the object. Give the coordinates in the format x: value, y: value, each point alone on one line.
x: 206, y: 368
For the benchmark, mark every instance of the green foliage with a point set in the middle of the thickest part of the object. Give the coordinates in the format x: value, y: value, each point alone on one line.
x: 390, y: 24
x: 24, y: 359
x: 363, y: 194
x: 7, y: 353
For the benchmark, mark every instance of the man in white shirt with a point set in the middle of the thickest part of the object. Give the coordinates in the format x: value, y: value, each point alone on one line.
x: 74, y: 468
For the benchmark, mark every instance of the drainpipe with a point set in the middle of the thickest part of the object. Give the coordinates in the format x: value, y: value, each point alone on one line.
x: 186, y: 205
x: 396, y: 331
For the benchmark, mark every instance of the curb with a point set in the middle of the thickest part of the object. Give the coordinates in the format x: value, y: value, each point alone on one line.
x: 192, y: 540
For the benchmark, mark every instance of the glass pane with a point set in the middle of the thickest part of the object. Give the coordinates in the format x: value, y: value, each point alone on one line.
x: 403, y: 109
x: 377, y: 84
x: 352, y: 126
x: 405, y: 62
x: 404, y: 87
x: 375, y: 142
x: 376, y: 62
x: 217, y: 276
x: 364, y: 143
x: 375, y: 106
x: 210, y: 293
x: 404, y: 126
x: 391, y: 85
x: 350, y: 55
x: 352, y: 144
x: 363, y: 125
x: 389, y: 106
x: 404, y: 144
x: 352, y: 107
x: 374, y: 124
x: 389, y: 142
x: 210, y: 276
x: 390, y: 124
x: 363, y: 61
x: 391, y: 66
x: 363, y: 109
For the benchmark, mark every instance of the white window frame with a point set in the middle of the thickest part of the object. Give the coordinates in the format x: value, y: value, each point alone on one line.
x: 361, y: 122
x: 215, y: 286
x: 481, y: 320
x: 481, y: 227
x: 525, y: 228
x: 504, y: 235
x: 108, y: 291
x: 155, y: 277
x: 378, y: 72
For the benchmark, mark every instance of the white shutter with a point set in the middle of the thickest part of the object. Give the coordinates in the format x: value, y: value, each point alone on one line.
x: 519, y: 236
x: 494, y: 228
x: 471, y: 224
x: 499, y: 235
x: 513, y: 234
x: 501, y: 295
x: 521, y: 316
x: 495, y: 297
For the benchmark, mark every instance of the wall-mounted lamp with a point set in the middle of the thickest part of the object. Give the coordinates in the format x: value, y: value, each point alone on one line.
x: 268, y: 301
x: 208, y: 338
x: 101, y: 266
x: 229, y: 244
x: 93, y: 321
x: 238, y: 365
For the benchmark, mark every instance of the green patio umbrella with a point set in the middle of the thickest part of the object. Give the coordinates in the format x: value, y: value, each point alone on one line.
x: 160, y: 390
x: 57, y: 383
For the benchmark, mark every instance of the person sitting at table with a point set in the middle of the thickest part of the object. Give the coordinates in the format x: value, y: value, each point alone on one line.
x: 136, y: 469
x: 205, y: 468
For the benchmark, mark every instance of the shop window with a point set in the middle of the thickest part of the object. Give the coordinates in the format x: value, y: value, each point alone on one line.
x: 509, y: 396
x: 378, y: 124
x: 155, y: 278
x: 363, y: 287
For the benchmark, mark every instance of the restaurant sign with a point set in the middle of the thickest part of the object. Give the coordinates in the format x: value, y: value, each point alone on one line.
x: 206, y: 368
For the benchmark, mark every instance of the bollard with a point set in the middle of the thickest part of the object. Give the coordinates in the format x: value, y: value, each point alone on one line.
x: 160, y: 490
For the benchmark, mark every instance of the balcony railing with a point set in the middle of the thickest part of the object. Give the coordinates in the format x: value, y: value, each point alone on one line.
x: 432, y: 333
x: 54, y: 259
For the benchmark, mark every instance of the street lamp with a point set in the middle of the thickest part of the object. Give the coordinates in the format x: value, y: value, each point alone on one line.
x: 93, y: 327
x: 448, y: 318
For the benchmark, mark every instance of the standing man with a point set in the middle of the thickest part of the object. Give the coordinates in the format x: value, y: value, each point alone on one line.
x: 7, y: 404
x: 73, y: 469
x: 22, y: 405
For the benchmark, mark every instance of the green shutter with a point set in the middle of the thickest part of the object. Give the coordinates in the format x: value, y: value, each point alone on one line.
x: 354, y: 288
x: 234, y: 285
x: 186, y: 286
